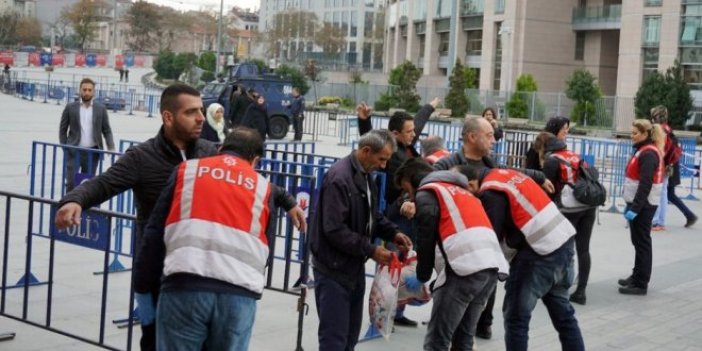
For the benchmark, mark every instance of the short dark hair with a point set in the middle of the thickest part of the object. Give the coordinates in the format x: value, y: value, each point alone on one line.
x: 245, y: 142
x: 472, y: 172
x: 413, y: 170
x: 169, y: 97
x: 86, y: 80
x: 397, y: 121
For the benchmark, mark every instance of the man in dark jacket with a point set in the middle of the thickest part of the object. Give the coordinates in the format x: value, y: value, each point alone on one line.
x: 145, y: 168
x: 340, y: 240
x: 297, y: 110
x: 478, y: 140
x: 256, y: 117
x: 239, y: 104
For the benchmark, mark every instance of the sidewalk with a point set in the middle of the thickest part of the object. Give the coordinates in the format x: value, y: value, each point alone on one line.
x: 669, y: 318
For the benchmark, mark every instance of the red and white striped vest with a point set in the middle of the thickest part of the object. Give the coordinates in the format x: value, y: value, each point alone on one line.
x: 466, y: 234
x: 632, y: 177
x: 217, y: 223
x: 542, y: 224
x: 568, y: 175
x: 431, y: 159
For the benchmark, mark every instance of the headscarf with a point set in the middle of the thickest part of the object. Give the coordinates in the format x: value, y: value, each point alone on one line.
x: 217, y: 126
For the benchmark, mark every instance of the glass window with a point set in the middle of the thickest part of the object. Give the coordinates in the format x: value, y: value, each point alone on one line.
x: 579, y: 46
x: 354, y: 24
x: 693, y: 76
x: 345, y: 23
x: 420, y: 10
x: 337, y: 19
x: 368, y: 25
x: 651, y: 30
x: 422, y: 42
x: 474, y: 44
x: 497, y: 72
x: 651, y: 3
x: 443, y: 8
x: 443, y: 44
x: 352, y: 46
x: 691, y: 30
x: 650, y: 61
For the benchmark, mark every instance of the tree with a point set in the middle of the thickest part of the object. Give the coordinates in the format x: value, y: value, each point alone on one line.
x: 456, y: 98
x: 582, y: 88
x: 207, y: 61
x: 670, y: 90
x: 404, y: 93
x: 262, y: 66
x: 312, y: 72
x: 331, y: 38
x: 470, y: 76
x: 144, y: 21
x: 289, y: 28
x: 164, y: 65
x: 517, y: 106
x: 294, y: 74
x: 8, y: 30
x: 84, y: 17
x: 28, y: 31
x: 183, y: 62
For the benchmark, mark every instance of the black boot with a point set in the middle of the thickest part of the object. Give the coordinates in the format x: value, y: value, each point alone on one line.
x: 626, y: 282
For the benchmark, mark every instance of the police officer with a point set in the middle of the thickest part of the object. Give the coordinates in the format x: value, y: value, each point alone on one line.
x: 208, y: 238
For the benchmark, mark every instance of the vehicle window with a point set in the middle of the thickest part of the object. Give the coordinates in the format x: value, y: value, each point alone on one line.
x: 264, y: 87
x: 213, y: 89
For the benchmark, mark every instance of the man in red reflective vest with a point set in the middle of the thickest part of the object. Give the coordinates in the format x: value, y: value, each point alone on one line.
x: 207, y: 237
x: 433, y: 149
x: 456, y: 238
x: 526, y: 220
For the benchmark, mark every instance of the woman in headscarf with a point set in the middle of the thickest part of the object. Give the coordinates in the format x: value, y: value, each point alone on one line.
x: 643, y: 184
x: 215, y: 128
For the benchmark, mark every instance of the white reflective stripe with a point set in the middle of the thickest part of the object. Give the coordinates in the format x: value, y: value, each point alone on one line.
x: 186, y: 198
x: 473, y: 250
x: 526, y: 205
x: 450, y: 206
x: 548, y: 230
x: 215, y: 251
x: 257, y: 208
x: 631, y: 186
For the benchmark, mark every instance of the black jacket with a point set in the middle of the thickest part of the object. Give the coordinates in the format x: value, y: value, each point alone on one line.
x: 532, y: 160
x: 209, y: 133
x: 339, y: 235
x: 457, y: 158
x: 648, y: 164
x: 256, y: 117
x: 145, y: 168
x: 238, y: 109
x: 148, y: 266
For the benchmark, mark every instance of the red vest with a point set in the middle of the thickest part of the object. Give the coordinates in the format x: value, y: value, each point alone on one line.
x: 217, y: 223
x: 542, y: 224
x: 431, y: 159
x: 632, y: 177
x: 568, y: 175
x: 468, y: 241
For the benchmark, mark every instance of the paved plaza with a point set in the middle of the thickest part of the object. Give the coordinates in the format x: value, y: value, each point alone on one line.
x: 669, y: 318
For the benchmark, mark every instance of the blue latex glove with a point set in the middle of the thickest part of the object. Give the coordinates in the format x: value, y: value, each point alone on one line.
x: 146, y: 308
x: 413, y: 284
x: 630, y: 215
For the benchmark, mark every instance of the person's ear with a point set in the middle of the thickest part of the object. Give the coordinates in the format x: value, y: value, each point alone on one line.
x: 473, y: 186
x: 255, y: 160
x: 167, y: 118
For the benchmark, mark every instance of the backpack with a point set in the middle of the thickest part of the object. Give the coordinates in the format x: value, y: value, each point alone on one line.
x: 587, y: 188
x: 673, y: 150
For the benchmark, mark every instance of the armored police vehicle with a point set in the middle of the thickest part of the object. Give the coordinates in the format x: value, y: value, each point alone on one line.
x: 277, y: 91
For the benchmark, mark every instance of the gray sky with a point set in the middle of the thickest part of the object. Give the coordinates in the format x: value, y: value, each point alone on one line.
x: 211, y: 4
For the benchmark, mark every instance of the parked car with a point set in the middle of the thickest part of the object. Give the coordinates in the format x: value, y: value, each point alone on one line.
x: 112, y: 103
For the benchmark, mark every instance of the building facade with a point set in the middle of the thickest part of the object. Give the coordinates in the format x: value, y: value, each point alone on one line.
x: 362, y: 22
x: 618, y: 41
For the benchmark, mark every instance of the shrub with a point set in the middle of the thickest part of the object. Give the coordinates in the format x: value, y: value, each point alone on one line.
x: 325, y: 100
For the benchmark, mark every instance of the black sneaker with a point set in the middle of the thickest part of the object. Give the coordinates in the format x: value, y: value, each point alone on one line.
x: 632, y: 290
x: 405, y: 322
x: 691, y: 221
x: 626, y: 282
x: 484, y: 332
x: 578, y: 297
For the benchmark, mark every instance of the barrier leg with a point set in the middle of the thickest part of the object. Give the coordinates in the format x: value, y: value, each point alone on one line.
x: 124, y: 322
x: 7, y: 336
x: 691, y: 195
x: 30, y: 280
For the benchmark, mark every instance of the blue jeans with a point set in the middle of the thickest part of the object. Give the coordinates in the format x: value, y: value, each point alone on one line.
x: 457, y: 307
x: 662, y: 211
x: 340, y: 311
x: 187, y: 320
x: 548, y: 278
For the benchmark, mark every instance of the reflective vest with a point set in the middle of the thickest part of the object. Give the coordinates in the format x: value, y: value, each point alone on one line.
x: 542, y: 224
x: 632, y: 177
x: 431, y: 159
x: 216, y: 227
x: 568, y: 175
x: 468, y: 242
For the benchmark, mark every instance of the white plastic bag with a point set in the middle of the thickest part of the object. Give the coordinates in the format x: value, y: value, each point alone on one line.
x: 405, y: 296
x: 382, y: 301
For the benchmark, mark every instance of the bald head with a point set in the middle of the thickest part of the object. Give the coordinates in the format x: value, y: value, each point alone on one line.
x: 478, y: 137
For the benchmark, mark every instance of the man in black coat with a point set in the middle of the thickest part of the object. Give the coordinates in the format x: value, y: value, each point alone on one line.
x: 145, y: 168
x: 239, y: 104
x: 84, y: 123
x: 340, y: 240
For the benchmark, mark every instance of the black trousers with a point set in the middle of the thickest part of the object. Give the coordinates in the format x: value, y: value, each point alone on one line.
x: 640, y: 229
x: 583, y: 222
x: 79, y: 161
x: 297, y: 126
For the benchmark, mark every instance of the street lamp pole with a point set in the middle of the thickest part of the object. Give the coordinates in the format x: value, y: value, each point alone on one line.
x: 219, y: 38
